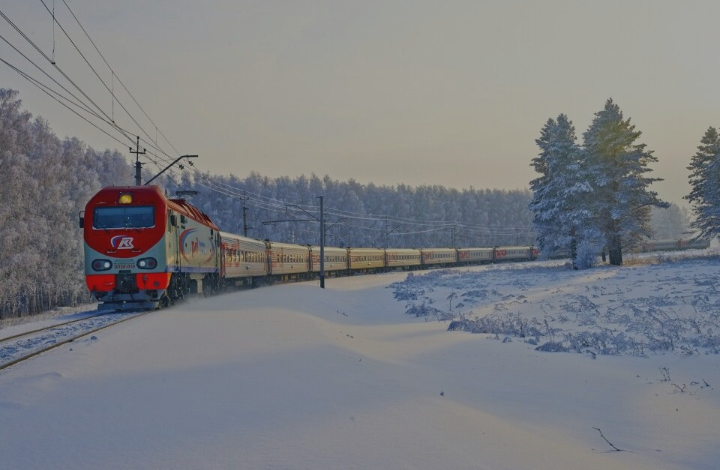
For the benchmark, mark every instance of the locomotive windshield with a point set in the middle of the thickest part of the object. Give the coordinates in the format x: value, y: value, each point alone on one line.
x: 124, y: 217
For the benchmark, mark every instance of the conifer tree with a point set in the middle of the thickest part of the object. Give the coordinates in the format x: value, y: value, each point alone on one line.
x: 560, y: 216
x: 618, y: 168
x: 704, y: 178
x: 557, y: 151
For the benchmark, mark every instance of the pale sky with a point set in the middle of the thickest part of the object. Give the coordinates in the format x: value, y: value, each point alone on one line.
x: 450, y: 93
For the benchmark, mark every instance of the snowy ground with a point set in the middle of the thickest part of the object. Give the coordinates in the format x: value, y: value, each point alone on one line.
x: 295, y: 377
x: 638, y: 309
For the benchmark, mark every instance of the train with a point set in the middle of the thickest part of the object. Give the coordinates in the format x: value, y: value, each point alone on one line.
x: 648, y: 246
x: 144, y: 250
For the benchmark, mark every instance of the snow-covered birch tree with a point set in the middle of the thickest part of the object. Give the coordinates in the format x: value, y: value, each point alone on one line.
x: 671, y: 223
x: 44, y: 184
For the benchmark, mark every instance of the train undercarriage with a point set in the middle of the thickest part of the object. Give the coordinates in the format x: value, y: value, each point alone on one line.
x: 127, y: 295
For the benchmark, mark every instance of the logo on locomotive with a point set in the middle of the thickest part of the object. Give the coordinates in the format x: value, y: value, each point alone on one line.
x: 122, y: 242
x: 196, y: 246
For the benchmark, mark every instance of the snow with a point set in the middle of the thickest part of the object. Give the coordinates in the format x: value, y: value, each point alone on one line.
x: 296, y: 377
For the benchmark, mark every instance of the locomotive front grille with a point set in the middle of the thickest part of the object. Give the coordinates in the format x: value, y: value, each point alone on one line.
x: 126, y: 283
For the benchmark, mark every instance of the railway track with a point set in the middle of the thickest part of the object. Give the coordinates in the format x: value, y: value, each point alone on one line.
x: 21, y: 347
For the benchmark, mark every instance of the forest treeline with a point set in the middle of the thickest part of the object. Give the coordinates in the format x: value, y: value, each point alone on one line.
x: 285, y: 209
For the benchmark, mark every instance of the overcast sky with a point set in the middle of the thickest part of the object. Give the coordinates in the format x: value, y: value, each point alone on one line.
x: 450, y: 93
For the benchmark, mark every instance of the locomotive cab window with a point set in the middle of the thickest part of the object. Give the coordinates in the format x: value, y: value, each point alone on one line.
x: 124, y: 217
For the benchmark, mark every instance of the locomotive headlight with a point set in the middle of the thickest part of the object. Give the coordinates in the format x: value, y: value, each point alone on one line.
x: 101, y: 265
x: 125, y: 198
x: 147, y: 263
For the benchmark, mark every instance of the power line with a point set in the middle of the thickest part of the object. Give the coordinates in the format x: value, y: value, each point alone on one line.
x: 115, y: 75
x: 48, y: 91
x: 30, y: 41
x: 55, y: 20
x: 103, y: 116
x: 77, y: 102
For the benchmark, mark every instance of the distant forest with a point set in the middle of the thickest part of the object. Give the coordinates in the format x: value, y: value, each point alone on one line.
x: 287, y: 210
x: 46, y: 181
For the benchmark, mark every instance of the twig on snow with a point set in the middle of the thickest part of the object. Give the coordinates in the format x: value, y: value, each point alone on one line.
x: 605, y: 438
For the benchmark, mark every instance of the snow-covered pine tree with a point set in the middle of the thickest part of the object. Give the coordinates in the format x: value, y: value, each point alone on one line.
x: 544, y: 205
x: 618, y: 167
x: 705, y: 191
x: 560, y: 217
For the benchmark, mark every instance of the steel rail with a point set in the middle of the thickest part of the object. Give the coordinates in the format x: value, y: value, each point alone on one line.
x: 68, y: 340
x: 28, y: 333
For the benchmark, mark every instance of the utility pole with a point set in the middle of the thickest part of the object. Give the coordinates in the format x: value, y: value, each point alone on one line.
x: 322, y: 233
x: 385, y: 232
x: 322, y: 243
x: 138, y: 165
x: 245, y: 227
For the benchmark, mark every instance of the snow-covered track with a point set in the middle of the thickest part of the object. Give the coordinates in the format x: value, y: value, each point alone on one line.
x: 23, y: 346
x: 46, y: 328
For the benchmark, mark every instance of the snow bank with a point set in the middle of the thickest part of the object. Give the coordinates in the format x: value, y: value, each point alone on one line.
x: 637, y: 310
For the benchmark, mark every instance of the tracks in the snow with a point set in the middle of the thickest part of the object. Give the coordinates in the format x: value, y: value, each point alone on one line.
x: 23, y: 346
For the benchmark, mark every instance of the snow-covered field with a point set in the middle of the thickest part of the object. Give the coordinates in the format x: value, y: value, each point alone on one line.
x: 295, y: 377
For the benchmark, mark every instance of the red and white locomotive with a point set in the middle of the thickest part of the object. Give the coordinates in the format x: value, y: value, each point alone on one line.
x: 144, y: 250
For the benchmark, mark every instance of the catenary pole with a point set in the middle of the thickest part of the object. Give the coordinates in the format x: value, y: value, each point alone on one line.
x: 138, y: 165
x: 322, y: 244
